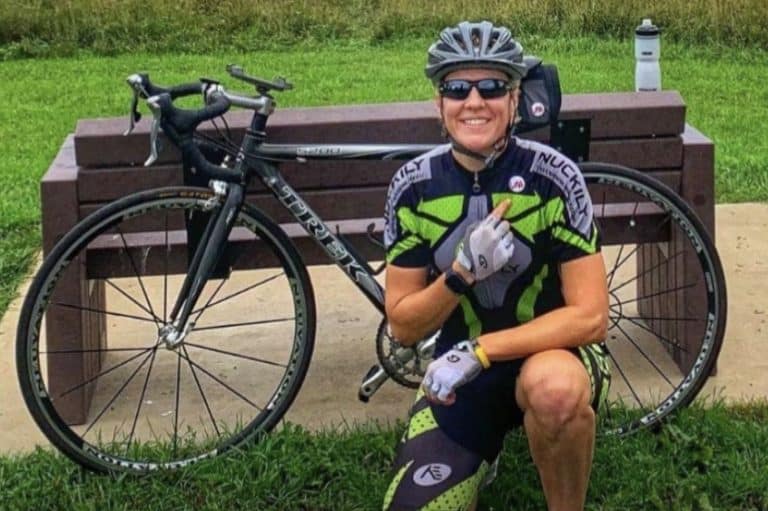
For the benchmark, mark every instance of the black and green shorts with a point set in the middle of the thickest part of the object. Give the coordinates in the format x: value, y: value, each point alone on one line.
x: 447, y: 450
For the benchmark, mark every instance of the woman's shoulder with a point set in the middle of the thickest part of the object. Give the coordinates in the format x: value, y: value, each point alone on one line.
x: 417, y: 170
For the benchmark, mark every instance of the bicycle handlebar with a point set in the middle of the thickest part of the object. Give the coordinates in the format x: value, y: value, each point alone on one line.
x: 140, y: 84
x: 180, y: 124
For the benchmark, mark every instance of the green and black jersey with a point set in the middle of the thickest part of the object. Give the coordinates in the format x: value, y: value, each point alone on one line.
x: 432, y: 200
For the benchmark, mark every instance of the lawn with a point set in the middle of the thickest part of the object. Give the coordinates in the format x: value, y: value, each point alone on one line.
x: 707, y: 459
x: 45, y: 98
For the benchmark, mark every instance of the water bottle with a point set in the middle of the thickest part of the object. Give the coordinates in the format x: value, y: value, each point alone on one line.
x: 647, y: 50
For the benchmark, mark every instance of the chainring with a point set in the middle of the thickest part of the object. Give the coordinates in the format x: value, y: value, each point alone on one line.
x: 404, y: 365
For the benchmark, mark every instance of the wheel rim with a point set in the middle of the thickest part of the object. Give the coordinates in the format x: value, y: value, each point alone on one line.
x: 666, y: 301
x: 153, y: 405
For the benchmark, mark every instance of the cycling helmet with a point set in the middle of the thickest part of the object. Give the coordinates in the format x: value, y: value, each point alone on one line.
x: 470, y: 45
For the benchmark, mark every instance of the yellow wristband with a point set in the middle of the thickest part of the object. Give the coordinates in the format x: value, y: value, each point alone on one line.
x: 482, y: 357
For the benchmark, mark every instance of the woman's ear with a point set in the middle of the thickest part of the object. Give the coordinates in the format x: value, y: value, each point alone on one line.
x: 515, y: 96
x: 514, y: 101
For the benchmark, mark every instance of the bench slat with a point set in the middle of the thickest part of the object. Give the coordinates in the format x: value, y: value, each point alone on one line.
x: 366, y: 202
x: 99, y: 142
x: 100, y: 185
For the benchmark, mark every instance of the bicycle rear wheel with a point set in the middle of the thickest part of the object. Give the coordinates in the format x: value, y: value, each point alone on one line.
x: 667, y: 297
x: 94, y: 371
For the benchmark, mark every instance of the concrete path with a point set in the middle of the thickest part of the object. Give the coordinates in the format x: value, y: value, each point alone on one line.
x: 347, y: 325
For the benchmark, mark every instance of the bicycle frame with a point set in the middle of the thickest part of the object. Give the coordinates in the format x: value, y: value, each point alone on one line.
x: 334, y: 246
x: 258, y: 162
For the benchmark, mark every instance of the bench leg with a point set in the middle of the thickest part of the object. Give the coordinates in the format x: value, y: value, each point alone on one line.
x: 69, y: 328
x: 668, y: 270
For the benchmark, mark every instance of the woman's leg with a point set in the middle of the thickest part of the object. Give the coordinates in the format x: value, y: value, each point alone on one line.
x: 555, y: 393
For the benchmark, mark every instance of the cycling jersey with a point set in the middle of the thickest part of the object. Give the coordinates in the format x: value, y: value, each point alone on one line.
x: 430, y: 204
x: 432, y: 200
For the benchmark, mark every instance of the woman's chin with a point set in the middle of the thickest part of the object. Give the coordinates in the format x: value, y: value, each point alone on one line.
x: 478, y: 146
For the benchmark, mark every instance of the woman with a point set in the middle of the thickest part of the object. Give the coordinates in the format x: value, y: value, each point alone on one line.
x: 490, y: 239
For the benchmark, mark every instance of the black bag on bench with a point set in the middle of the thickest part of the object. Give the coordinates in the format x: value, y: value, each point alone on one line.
x: 540, y: 96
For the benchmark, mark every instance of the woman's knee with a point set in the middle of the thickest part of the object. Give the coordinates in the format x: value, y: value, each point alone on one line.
x: 556, y: 393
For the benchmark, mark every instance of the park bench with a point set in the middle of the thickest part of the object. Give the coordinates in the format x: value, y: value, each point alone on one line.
x: 96, y: 165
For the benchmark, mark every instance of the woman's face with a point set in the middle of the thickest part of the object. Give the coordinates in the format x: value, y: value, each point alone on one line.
x: 474, y: 122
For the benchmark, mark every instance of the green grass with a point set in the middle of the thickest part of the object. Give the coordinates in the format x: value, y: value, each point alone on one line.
x: 706, y: 459
x: 108, y: 27
x: 723, y: 88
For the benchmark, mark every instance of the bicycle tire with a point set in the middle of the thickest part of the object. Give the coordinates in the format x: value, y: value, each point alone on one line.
x: 205, y: 397
x: 659, y: 360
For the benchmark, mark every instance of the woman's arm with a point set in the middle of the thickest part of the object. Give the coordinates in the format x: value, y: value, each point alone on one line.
x: 415, y: 309
x: 582, y: 320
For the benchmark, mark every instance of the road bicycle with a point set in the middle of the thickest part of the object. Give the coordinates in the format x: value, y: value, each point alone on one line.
x: 208, y: 349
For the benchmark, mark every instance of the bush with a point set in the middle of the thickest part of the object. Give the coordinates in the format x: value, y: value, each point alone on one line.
x: 31, y: 28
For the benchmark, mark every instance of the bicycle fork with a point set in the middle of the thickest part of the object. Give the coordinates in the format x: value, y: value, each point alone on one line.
x: 207, y: 254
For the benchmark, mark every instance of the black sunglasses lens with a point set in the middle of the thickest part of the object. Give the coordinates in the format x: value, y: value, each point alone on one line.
x: 460, y: 89
x: 490, y: 89
x: 455, y: 89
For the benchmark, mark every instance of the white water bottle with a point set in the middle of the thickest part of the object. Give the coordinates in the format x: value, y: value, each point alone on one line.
x: 647, y: 51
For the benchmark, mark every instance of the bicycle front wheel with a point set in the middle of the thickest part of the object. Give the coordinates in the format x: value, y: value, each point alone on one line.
x: 667, y: 297
x: 95, y: 372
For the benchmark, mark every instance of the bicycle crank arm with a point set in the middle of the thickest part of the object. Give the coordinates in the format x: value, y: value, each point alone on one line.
x: 375, y: 377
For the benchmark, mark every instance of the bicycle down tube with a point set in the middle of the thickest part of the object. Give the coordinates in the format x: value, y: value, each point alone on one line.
x: 334, y: 246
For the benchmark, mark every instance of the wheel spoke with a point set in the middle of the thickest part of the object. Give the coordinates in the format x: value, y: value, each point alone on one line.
x: 238, y: 355
x: 626, y: 380
x: 92, y: 350
x: 101, y: 311
x: 213, y: 295
x: 238, y: 293
x: 130, y: 298
x: 661, y: 337
x: 117, y: 394
x: 199, y: 387
x: 220, y: 382
x: 634, y: 250
x: 647, y: 271
x: 645, y: 356
x: 176, y: 406
x: 141, y: 401
x: 659, y: 293
x: 617, y: 265
x: 247, y: 323
x: 103, y: 373
x: 660, y: 318
x: 136, y: 273
x: 167, y: 250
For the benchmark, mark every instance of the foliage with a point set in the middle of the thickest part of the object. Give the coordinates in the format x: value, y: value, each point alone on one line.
x: 34, y: 28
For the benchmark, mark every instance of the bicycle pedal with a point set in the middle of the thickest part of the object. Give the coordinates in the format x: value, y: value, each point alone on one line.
x: 372, y: 380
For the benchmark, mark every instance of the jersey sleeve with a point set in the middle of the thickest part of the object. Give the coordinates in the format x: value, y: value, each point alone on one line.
x: 572, y: 228
x: 405, y: 246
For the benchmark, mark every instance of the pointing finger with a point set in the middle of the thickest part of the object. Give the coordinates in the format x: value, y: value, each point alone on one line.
x: 501, y: 210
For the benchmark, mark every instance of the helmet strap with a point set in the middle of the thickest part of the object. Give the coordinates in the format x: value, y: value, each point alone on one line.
x: 498, y: 146
x: 488, y: 160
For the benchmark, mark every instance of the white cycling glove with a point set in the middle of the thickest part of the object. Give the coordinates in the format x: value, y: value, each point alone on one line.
x: 453, y: 369
x: 487, y: 246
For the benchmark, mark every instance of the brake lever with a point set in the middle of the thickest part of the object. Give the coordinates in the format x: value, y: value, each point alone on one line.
x: 136, y: 83
x: 155, y: 145
x: 134, y: 116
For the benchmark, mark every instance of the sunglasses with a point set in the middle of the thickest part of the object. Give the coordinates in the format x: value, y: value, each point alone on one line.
x: 488, y: 88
